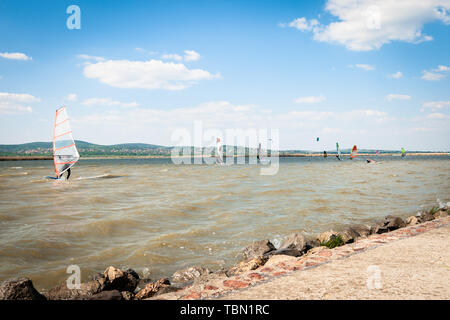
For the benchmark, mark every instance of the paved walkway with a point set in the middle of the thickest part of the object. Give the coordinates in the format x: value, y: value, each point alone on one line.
x: 409, y: 263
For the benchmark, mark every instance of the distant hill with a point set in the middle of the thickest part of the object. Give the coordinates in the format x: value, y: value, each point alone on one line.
x: 85, y: 149
x: 144, y: 149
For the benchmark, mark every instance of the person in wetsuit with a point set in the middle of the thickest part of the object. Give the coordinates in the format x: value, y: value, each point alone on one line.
x: 68, y: 174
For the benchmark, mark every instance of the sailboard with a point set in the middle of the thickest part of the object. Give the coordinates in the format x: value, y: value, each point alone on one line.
x: 65, y: 153
x: 338, y: 151
x: 354, y: 152
x: 403, y: 153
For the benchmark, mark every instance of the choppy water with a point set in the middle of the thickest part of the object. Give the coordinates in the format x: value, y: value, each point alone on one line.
x: 157, y: 217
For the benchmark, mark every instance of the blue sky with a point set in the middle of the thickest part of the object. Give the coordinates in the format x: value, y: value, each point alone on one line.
x: 372, y: 73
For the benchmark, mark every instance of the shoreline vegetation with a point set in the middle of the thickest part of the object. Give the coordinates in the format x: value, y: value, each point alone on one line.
x: 87, y: 150
x: 117, y: 284
x: 281, y: 155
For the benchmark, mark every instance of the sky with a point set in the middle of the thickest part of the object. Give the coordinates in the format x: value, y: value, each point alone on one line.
x: 366, y: 72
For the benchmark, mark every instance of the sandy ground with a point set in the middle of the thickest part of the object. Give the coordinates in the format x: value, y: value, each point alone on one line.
x: 411, y: 268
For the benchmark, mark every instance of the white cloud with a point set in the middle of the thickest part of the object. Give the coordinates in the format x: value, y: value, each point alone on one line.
x: 432, y: 76
x: 310, y: 99
x: 88, y: 57
x: 396, y: 75
x: 437, y: 115
x: 365, y: 25
x: 152, y: 125
x: 16, y: 103
x: 303, y: 25
x: 175, y: 57
x: 151, y: 74
x: 97, y: 102
x: 366, y: 67
x: 435, y: 74
x: 436, y: 104
x: 189, y: 55
x: 391, y: 97
x: 443, y: 68
x: 15, y: 56
x: 72, y: 97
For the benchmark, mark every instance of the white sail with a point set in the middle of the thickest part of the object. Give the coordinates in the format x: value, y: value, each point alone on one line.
x: 65, y: 153
x: 219, y: 153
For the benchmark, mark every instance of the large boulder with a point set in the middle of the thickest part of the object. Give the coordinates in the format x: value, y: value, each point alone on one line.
x: 257, y: 249
x: 116, y: 279
x: 87, y: 289
x: 188, y: 274
x: 247, y: 265
x: 411, y: 221
x: 326, y: 236
x: 348, y: 235
x: 361, y: 230
x: 377, y: 227
x: 393, y: 223
x: 19, y: 289
x: 152, y: 289
x: 424, y: 216
x: 294, y: 245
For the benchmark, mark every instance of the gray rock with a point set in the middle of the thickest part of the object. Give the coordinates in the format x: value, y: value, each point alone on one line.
x: 257, y: 249
x: 189, y: 274
x: 326, y: 236
x: 393, y: 223
x: 348, y: 235
x: 293, y: 245
x: 424, y: 216
x: 19, y: 289
x: 361, y: 230
x: 312, y: 243
x: 107, y: 295
x: 152, y: 289
x: 116, y: 279
x: 87, y: 289
x: 248, y: 265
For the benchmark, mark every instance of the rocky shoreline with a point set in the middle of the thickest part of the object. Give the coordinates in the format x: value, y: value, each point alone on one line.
x: 116, y: 284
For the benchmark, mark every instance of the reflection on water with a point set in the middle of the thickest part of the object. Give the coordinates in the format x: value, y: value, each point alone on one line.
x: 149, y: 213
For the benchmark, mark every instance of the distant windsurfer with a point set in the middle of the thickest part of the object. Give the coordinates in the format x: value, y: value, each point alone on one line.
x: 219, y: 154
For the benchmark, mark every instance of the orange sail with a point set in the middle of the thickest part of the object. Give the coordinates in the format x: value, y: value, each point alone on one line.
x: 354, y: 152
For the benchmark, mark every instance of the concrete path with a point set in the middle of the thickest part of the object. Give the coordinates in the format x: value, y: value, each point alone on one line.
x: 409, y: 263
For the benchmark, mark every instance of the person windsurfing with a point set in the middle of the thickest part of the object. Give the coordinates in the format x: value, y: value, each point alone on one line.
x: 338, y: 152
x: 258, y: 156
x: 354, y: 152
x: 219, y: 154
x: 65, y: 153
